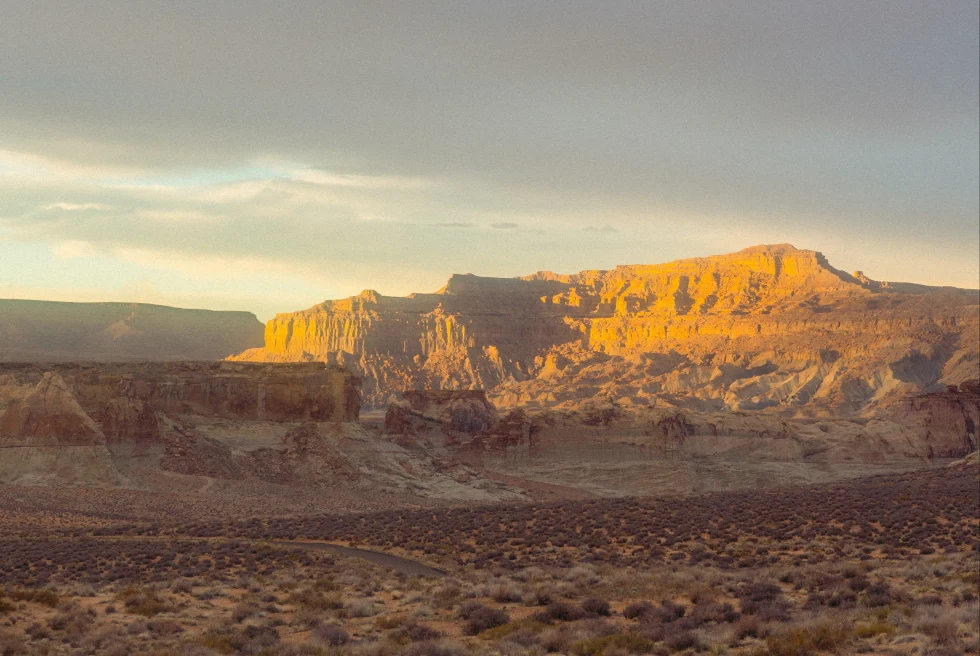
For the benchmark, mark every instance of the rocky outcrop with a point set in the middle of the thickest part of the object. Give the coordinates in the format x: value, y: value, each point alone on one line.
x: 130, y: 420
x: 768, y: 327
x: 194, y: 427
x: 49, y: 415
x: 150, y: 412
x: 457, y: 414
x: 277, y: 393
x: 47, y: 438
x: 947, y: 422
x: 47, y: 331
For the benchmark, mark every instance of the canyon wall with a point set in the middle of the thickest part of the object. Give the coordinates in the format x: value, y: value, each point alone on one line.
x: 769, y: 327
x: 47, y: 331
x: 80, y: 423
x: 281, y: 392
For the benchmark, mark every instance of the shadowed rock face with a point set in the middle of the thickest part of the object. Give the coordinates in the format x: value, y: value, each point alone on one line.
x: 48, y: 331
x: 947, y: 421
x: 767, y: 327
x: 455, y: 414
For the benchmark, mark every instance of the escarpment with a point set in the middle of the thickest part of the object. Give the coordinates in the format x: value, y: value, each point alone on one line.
x: 769, y: 327
x: 48, y: 331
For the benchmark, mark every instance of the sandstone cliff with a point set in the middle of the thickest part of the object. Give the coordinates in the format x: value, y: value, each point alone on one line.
x: 768, y: 327
x: 48, y: 331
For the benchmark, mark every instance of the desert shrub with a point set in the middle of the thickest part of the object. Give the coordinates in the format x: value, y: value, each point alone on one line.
x: 361, y: 608
x: 711, y: 611
x: 504, y: 592
x: 559, y: 639
x: 484, y: 618
x: 43, y: 596
x: 878, y: 594
x: 421, y: 633
x: 747, y: 626
x: 164, y: 627
x: 11, y: 644
x: 636, y: 609
x: 316, y: 600
x: 540, y: 595
x: 436, y: 648
x: 631, y: 643
x: 219, y: 642
x: 682, y: 640
x: 467, y: 608
x: 142, y: 601
x: 183, y: 586
x: 942, y: 630
x: 564, y: 611
x: 596, y: 606
x: 6, y: 606
x: 74, y: 621
x: 243, y: 611
x: 37, y: 631
x: 872, y: 629
x: 331, y: 634
x: 803, y: 641
x: 666, y: 612
x: 527, y: 625
x: 255, y: 639
x: 393, y: 621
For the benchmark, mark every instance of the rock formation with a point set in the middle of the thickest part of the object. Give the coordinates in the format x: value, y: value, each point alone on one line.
x: 112, y: 392
x: 121, y: 411
x: 46, y: 331
x: 191, y: 425
x: 47, y: 438
x: 48, y: 415
x: 768, y: 327
x: 946, y: 422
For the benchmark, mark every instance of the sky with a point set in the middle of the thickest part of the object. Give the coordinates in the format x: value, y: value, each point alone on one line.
x: 266, y: 156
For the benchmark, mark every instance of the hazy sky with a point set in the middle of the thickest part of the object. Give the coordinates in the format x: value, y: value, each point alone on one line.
x: 268, y: 155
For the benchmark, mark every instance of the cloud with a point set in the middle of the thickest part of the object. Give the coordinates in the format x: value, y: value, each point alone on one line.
x: 398, y: 134
x: 452, y: 224
x: 326, y: 178
x: 71, y: 249
x: 76, y: 207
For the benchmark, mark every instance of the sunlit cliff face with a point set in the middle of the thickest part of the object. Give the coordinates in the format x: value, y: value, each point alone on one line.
x: 769, y: 326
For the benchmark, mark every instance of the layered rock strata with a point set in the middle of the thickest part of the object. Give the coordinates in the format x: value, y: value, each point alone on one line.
x: 117, y: 393
x: 768, y: 327
x: 72, y: 423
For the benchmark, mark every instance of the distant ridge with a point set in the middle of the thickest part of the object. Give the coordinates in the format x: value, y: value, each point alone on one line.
x: 60, y: 331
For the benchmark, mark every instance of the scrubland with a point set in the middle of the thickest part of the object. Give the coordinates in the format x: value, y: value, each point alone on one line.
x: 884, y: 565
